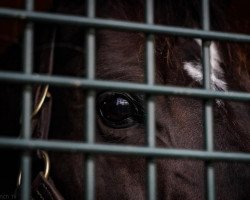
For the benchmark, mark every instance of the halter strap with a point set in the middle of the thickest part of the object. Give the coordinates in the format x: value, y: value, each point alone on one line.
x: 43, y: 100
x: 43, y: 187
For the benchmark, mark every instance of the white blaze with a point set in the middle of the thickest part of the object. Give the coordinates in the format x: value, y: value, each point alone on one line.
x: 194, y: 69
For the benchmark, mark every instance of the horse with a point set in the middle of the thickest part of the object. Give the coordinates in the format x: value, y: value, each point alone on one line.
x: 120, y: 115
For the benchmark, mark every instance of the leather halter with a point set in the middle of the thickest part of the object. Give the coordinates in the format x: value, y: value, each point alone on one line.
x: 42, y: 186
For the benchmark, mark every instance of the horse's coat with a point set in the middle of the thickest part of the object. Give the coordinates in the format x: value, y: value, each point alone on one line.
x: 179, y: 124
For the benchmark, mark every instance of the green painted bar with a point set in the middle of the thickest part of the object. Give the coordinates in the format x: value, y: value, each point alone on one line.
x: 27, y: 105
x: 208, y: 107
x: 26, y: 144
x: 113, y: 85
x: 89, y: 172
x: 121, y: 25
x: 74, y: 147
x: 151, y: 180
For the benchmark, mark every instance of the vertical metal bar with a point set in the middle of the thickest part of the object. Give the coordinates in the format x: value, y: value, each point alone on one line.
x: 27, y: 104
x: 208, y: 107
x: 150, y: 105
x: 90, y: 106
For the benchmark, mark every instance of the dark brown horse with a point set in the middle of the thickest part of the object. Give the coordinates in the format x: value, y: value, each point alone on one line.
x: 120, y: 115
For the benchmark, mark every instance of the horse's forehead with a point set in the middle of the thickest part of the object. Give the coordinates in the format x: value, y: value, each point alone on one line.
x: 121, y: 56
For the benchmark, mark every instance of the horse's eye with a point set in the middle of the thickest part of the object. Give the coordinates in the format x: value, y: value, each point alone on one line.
x: 117, y: 110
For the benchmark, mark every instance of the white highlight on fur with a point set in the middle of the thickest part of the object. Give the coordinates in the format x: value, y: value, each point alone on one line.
x: 194, y: 69
x: 199, y: 41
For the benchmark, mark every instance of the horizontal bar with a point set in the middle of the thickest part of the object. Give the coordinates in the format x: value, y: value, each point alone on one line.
x: 71, y: 146
x: 121, y: 25
x: 66, y: 81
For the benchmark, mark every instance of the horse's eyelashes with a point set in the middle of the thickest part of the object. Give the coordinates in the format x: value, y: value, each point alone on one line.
x: 119, y: 110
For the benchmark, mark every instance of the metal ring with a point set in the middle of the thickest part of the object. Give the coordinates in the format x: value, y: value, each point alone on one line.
x: 19, y: 178
x: 40, y: 103
x: 46, y: 171
x: 46, y: 163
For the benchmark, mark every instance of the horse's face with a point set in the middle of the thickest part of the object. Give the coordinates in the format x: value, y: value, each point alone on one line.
x: 120, y: 120
x: 120, y: 115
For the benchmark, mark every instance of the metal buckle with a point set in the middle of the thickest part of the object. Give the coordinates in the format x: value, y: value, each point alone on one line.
x: 40, y: 103
x: 46, y: 171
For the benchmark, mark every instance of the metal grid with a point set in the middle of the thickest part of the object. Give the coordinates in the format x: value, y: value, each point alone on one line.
x: 26, y: 144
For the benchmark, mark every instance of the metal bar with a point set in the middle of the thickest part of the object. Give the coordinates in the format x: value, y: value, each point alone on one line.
x: 121, y: 25
x: 26, y: 105
x: 150, y: 105
x: 90, y: 106
x: 132, y: 87
x: 208, y: 107
x: 29, y: 144
x: 74, y: 147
